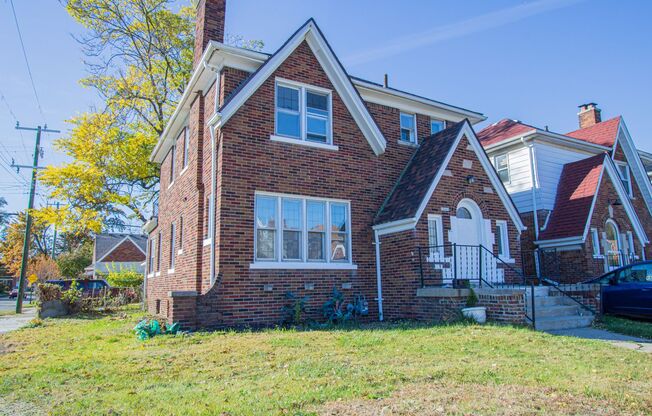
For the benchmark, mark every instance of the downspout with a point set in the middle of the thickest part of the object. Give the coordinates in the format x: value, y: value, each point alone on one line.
x: 211, y: 221
x: 379, y: 282
x: 535, y: 208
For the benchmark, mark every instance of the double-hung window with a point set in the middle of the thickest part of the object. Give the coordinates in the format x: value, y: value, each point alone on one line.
x: 303, y: 112
x: 625, y: 177
x: 158, y: 252
x: 172, y: 165
x: 408, y: 128
x: 435, y: 235
x: 501, y: 163
x: 436, y: 126
x: 186, y: 144
x: 300, y: 232
x: 152, y: 251
x: 595, y: 241
x: 172, y: 241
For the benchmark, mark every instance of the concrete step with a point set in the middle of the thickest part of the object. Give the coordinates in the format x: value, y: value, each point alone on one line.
x: 544, y: 301
x: 558, y: 311
x: 563, y: 322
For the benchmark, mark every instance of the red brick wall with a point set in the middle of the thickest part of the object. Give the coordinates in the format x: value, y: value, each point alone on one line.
x: 126, y: 251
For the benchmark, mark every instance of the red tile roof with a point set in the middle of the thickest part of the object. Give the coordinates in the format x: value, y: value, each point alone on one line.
x: 578, y: 184
x: 502, y: 130
x: 603, y: 133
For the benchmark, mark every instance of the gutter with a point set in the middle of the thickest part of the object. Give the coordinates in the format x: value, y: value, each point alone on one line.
x: 379, y: 282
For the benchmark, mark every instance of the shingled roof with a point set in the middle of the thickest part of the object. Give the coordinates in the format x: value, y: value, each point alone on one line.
x: 603, y: 133
x: 578, y: 185
x: 413, y: 184
x: 105, y: 243
x: 503, y: 130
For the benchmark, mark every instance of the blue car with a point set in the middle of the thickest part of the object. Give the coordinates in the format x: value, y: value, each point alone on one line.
x: 627, y: 290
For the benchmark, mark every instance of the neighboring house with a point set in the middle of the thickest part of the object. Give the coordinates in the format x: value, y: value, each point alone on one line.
x: 646, y: 159
x: 116, y: 252
x: 585, y: 196
x: 283, y: 173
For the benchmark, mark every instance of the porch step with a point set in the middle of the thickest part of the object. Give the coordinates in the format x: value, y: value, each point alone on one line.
x: 546, y: 301
x: 563, y: 322
x: 558, y: 311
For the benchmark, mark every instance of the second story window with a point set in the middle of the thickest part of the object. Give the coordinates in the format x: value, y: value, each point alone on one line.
x: 625, y: 178
x: 501, y: 163
x: 184, y: 137
x: 303, y: 112
x: 172, y: 167
x: 437, y: 125
x: 408, y: 128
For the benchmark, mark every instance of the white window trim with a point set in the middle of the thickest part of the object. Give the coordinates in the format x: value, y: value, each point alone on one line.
x: 630, y: 191
x: 304, y: 263
x: 432, y: 119
x: 509, y: 172
x: 414, y: 118
x: 501, y: 227
x: 303, y: 115
x: 173, y: 236
x: 186, y: 150
x: 630, y: 244
x: 595, y: 241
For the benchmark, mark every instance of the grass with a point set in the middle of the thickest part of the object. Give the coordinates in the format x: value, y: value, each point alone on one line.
x: 626, y: 326
x: 95, y: 365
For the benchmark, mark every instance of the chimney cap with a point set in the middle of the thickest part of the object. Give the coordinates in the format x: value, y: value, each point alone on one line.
x: 588, y: 106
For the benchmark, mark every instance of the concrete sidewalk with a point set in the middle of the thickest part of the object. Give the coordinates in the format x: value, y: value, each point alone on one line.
x: 13, y: 322
x: 619, y: 340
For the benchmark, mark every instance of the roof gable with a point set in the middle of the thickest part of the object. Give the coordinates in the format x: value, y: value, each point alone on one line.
x: 414, y: 188
x: 107, y: 243
x: 576, y: 198
x: 603, y: 133
x: 336, y: 73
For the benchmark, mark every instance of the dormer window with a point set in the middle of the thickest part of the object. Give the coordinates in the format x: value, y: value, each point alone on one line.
x: 303, y: 112
x: 408, y: 128
x: 501, y: 163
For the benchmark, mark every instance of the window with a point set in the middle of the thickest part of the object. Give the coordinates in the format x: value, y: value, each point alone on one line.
x: 172, y: 240
x: 172, y: 153
x: 435, y: 235
x: 501, y: 162
x: 463, y: 213
x: 595, y: 241
x: 625, y: 178
x: 316, y: 224
x: 180, y: 234
x: 630, y: 243
x: 186, y: 144
x: 408, y: 128
x: 303, y: 228
x: 152, y: 250
x: 502, y: 239
x: 158, y: 253
x: 436, y: 126
x: 303, y: 112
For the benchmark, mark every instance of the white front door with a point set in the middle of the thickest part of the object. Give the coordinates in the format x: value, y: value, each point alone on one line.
x: 467, y: 235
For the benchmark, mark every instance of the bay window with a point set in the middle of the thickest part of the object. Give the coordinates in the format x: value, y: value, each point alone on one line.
x: 301, y: 232
x: 303, y: 112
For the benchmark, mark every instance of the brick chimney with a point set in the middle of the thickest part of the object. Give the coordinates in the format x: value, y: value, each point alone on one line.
x: 589, y: 115
x: 209, y: 25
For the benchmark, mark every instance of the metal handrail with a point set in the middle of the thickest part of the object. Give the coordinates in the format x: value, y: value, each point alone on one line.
x: 568, y: 295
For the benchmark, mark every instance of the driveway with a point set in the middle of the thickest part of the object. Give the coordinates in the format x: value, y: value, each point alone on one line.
x: 623, y: 341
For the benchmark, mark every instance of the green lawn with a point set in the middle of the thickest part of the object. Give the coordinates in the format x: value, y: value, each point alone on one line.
x: 97, y: 366
x: 626, y: 326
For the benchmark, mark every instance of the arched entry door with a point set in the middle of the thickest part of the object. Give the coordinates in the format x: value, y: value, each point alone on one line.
x: 467, y: 234
x: 612, y: 245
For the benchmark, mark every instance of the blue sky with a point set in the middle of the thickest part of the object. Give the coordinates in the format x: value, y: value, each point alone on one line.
x: 531, y: 60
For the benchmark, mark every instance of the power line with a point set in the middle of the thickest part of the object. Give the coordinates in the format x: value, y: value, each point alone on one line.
x: 29, y: 69
x: 11, y: 112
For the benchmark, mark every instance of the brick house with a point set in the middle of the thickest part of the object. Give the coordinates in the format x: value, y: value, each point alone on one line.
x: 281, y: 172
x: 113, y: 251
x: 585, y: 196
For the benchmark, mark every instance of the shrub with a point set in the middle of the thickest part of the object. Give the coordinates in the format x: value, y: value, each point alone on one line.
x: 335, y: 310
x: 44, y: 268
x: 472, y: 299
x: 72, y: 296
x: 124, y: 278
x: 72, y: 263
x: 48, y: 292
x: 296, y: 310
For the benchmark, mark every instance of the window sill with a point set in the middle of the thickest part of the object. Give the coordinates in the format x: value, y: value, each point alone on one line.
x: 157, y: 274
x: 170, y: 185
x: 180, y: 251
x: 183, y: 171
x: 207, y: 242
x: 598, y: 256
x: 507, y: 260
x: 300, y: 142
x: 408, y: 144
x: 149, y: 276
x: 301, y: 265
x: 170, y: 271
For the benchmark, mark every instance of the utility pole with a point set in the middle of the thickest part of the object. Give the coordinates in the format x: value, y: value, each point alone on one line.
x: 30, y: 206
